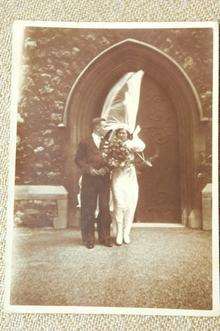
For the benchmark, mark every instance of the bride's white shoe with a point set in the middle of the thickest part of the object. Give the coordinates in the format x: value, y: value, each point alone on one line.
x: 119, y: 237
x: 119, y: 240
x: 127, y: 238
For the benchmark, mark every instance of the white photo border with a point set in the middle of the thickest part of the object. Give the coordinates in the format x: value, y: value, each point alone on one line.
x: 17, y: 41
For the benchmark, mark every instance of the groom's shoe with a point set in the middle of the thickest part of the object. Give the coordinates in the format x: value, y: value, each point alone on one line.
x: 106, y: 242
x: 89, y: 244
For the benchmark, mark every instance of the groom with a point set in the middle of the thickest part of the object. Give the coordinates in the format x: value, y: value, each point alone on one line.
x: 95, y: 187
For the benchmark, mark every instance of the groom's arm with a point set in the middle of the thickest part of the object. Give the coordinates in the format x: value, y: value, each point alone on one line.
x: 81, y: 159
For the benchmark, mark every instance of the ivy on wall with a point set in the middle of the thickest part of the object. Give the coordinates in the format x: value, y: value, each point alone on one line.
x: 52, y: 60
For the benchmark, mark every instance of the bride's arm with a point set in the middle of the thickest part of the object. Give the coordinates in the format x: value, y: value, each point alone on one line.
x: 136, y: 144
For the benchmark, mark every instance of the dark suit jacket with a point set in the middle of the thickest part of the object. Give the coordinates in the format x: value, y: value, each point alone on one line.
x: 88, y: 156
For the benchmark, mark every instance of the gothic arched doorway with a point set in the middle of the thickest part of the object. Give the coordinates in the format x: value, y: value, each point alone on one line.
x: 169, y: 115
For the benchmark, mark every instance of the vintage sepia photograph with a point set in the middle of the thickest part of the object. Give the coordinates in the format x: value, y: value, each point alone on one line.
x: 113, y: 203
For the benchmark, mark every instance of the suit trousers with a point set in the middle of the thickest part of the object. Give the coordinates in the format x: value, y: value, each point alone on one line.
x: 95, y: 188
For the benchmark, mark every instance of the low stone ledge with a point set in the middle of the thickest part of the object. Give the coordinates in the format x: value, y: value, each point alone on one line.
x: 46, y: 192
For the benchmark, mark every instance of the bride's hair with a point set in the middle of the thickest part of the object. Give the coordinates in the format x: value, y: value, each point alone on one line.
x: 130, y: 135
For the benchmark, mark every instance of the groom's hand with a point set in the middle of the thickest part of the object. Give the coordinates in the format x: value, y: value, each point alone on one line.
x: 102, y: 171
x: 93, y: 172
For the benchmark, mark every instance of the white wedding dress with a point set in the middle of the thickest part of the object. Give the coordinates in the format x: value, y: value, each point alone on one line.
x: 120, y: 111
x: 124, y: 188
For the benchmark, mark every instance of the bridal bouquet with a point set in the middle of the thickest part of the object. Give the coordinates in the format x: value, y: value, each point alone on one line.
x: 116, y: 154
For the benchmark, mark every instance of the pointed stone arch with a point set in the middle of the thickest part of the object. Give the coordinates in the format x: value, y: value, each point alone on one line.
x: 88, y: 93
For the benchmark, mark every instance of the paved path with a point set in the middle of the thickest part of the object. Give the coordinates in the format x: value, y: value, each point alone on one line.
x: 163, y: 268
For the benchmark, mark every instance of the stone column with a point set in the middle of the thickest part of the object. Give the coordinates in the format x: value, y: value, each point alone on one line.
x: 207, y: 207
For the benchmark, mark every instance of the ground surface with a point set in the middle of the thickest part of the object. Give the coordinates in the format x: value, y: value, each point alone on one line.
x: 163, y: 268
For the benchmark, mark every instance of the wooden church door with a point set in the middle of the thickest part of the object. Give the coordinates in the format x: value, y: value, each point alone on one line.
x: 159, y: 186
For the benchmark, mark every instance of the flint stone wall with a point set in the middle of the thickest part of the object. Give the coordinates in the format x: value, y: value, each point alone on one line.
x: 52, y: 60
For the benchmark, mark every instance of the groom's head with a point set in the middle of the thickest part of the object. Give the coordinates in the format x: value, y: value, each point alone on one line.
x: 98, y: 125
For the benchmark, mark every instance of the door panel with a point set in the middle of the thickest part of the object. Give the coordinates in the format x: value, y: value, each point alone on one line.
x: 159, y: 186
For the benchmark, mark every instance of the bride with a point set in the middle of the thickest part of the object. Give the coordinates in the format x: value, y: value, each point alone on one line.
x: 124, y: 186
x: 120, y: 112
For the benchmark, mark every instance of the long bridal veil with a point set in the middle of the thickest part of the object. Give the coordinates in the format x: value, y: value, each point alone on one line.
x: 121, y: 104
